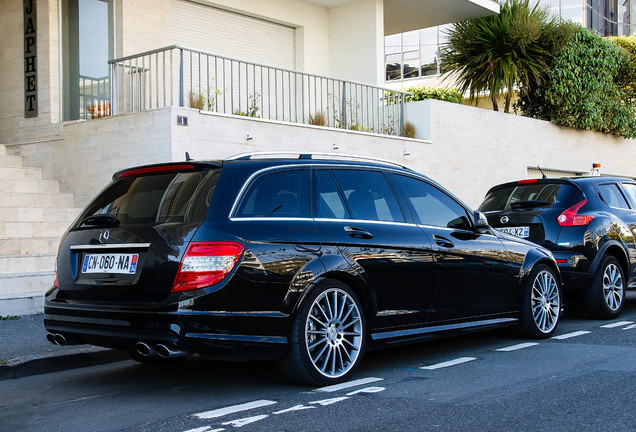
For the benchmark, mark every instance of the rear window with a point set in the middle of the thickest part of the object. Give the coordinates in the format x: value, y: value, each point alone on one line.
x: 157, y: 199
x: 533, y: 195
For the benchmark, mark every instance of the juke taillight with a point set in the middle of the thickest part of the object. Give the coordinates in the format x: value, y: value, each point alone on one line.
x: 206, y: 263
x: 570, y: 217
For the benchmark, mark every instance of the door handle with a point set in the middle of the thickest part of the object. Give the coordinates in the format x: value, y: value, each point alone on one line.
x: 443, y: 241
x: 358, y: 232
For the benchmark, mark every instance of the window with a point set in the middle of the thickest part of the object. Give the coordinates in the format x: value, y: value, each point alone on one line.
x: 278, y: 194
x: 330, y: 203
x: 158, y: 199
x: 369, y: 195
x: 431, y: 206
x: 545, y: 195
x: 631, y: 190
x: 612, y: 196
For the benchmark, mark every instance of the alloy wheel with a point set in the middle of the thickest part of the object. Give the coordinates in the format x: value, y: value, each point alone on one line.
x: 545, y: 301
x: 613, y: 287
x: 333, y: 333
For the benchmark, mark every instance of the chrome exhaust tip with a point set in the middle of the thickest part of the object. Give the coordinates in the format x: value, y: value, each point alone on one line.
x: 59, y: 339
x: 168, y: 352
x: 51, y: 338
x: 144, y: 349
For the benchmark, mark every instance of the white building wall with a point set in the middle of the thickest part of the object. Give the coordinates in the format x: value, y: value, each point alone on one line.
x: 472, y: 149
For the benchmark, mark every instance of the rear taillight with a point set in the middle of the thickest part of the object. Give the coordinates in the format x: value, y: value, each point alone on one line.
x: 571, y: 218
x: 56, y: 282
x: 206, y: 263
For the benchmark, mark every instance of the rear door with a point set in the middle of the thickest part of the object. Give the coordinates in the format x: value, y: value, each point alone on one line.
x: 359, y: 210
x: 472, y: 276
x: 126, y: 246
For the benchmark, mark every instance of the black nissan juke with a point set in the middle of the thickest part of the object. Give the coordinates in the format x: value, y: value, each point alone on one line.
x: 587, y: 222
x: 308, y: 260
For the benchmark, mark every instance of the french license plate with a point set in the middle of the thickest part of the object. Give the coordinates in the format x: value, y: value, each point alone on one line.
x: 522, y: 231
x: 110, y: 263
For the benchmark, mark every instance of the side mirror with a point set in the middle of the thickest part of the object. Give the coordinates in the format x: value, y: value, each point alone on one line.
x: 481, y: 223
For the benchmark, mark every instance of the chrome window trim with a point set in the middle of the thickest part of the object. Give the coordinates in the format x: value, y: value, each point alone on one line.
x: 111, y: 246
x: 366, y: 221
x: 263, y: 218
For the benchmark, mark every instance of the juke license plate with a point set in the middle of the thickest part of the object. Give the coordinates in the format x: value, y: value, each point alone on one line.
x: 522, y: 231
x: 110, y: 263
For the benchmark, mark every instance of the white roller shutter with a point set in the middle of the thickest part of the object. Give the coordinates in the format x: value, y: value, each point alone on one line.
x: 231, y: 34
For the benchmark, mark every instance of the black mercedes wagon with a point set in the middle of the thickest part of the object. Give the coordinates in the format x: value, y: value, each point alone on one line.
x: 308, y: 260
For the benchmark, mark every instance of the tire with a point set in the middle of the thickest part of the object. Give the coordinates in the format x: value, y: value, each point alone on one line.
x: 605, y: 296
x: 327, y: 338
x: 541, y: 305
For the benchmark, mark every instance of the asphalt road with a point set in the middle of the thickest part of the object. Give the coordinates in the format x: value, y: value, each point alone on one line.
x: 584, y: 379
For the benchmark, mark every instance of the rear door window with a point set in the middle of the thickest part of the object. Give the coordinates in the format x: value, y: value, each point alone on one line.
x: 612, y: 195
x: 368, y: 195
x: 630, y: 188
x: 330, y: 203
x: 533, y: 195
x: 278, y: 194
x: 156, y: 199
x: 431, y: 206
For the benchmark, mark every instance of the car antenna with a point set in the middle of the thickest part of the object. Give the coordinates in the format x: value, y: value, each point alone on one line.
x: 188, y: 158
x: 538, y: 167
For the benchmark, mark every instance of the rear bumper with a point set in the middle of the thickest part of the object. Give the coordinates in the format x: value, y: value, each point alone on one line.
x: 575, y: 270
x: 227, y: 335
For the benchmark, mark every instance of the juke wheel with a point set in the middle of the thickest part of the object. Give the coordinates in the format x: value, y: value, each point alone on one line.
x: 605, y: 296
x: 327, y: 338
x: 541, y: 305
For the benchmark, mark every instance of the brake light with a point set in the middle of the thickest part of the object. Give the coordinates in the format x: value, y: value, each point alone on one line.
x: 571, y: 218
x: 206, y: 263
x: 527, y: 181
x: 155, y: 170
x: 56, y: 282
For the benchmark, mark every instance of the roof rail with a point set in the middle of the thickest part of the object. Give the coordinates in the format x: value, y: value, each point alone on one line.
x: 312, y: 155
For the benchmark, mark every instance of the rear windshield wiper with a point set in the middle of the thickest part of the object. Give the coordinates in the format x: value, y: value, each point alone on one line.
x: 101, y: 219
x: 529, y: 204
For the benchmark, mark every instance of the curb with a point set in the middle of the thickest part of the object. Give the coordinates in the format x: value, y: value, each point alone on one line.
x: 21, y: 367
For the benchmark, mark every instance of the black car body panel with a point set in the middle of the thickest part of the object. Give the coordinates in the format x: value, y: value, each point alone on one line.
x: 298, y: 222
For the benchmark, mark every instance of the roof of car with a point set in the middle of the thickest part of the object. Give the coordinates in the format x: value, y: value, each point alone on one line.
x: 563, y: 180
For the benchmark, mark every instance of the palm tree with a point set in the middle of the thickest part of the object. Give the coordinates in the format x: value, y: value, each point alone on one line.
x: 499, y: 53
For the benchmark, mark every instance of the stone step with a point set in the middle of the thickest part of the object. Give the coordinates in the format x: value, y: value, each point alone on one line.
x: 10, y: 161
x: 30, y: 186
x: 32, y: 245
x: 39, y: 200
x: 12, y: 173
x: 25, y: 264
x: 16, y: 214
x: 32, y: 229
x: 21, y: 304
x: 26, y: 283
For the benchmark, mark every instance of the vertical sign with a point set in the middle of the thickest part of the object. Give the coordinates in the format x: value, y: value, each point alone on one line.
x: 30, y: 60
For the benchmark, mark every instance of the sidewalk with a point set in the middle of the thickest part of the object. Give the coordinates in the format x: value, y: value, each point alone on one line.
x: 24, y: 350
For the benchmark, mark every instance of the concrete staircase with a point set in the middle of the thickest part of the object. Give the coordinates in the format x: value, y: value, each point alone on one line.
x: 33, y: 216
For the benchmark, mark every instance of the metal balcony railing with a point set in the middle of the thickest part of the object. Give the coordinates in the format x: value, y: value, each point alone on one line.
x: 178, y: 76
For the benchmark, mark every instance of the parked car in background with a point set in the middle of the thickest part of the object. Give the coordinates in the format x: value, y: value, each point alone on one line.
x: 587, y: 222
x: 308, y: 260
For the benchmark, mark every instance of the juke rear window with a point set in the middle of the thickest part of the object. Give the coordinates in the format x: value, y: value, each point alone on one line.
x: 157, y: 199
x: 542, y: 195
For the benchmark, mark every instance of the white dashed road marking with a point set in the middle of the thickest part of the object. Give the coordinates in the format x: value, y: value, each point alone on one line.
x: 294, y: 408
x: 449, y: 363
x: 629, y: 327
x: 348, y: 384
x: 518, y: 347
x: 367, y: 390
x: 327, y: 402
x: 571, y: 335
x: 233, y: 409
x: 617, y: 324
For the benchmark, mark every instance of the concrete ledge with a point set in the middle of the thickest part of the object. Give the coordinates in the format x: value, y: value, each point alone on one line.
x: 21, y: 304
x: 76, y: 358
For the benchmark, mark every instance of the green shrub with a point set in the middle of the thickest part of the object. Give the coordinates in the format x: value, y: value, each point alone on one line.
x: 582, y: 88
x: 627, y: 78
x: 440, y: 93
